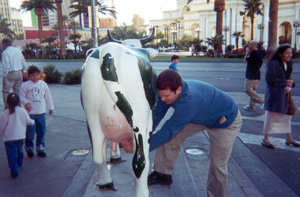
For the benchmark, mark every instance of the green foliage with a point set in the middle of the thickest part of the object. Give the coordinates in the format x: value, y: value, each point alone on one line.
x: 73, y: 77
x: 127, y: 32
x: 52, y: 74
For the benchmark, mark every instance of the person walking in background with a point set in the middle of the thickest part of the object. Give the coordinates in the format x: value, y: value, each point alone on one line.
x: 35, y: 96
x: 254, y: 59
x: 279, y: 83
x: 175, y: 61
x: 14, y: 67
x: 12, y: 130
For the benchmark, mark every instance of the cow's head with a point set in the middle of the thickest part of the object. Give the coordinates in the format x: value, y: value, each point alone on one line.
x: 136, y: 43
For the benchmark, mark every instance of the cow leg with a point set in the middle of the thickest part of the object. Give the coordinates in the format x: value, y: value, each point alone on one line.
x: 142, y: 159
x: 99, y: 144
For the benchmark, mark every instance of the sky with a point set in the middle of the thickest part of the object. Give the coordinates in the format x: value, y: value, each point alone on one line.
x: 147, y: 9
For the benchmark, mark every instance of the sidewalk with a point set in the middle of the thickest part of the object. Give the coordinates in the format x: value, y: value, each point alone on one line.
x: 64, y: 173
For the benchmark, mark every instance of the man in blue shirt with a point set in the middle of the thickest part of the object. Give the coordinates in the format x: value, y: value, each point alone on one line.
x: 175, y: 60
x: 198, y: 106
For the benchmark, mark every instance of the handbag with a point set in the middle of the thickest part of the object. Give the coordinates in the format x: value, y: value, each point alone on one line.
x: 291, y: 108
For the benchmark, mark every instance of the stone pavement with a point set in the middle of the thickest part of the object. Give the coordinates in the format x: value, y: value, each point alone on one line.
x: 68, y: 169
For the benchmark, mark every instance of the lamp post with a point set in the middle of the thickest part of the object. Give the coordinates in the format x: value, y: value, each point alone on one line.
x: 173, y: 31
x: 226, y: 29
x: 198, y: 30
x: 296, y: 25
x: 261, y: 28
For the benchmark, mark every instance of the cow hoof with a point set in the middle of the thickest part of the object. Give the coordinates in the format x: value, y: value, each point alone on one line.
x: 110, y: 186
x: 116, y: 160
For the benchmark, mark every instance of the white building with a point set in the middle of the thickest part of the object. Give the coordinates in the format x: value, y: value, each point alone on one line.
x: 199, y: 19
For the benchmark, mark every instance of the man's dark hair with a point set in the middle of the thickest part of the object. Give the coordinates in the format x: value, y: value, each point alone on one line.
x: 33, y: 69
x: 174, y: 57
x: 7, y: 42
x: 168, y: 79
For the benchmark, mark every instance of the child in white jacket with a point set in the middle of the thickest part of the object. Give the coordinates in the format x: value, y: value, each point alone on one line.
x: 35, y: 96
x: 12, y: 130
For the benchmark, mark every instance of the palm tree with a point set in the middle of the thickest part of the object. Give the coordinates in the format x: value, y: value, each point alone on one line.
x: 4, y: 27
x: 81, y: 7
x: 237, y: 34
x: 219, y: 7
x: 273, y: 16
x: 39, y: 6
x: 253, y: 7
x: 75, y: 38
x: 49, y: 40
x: 215, y: 42
x: 74, y: 26
x: 61, y: 29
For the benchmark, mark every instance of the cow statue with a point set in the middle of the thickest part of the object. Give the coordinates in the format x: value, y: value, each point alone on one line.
x: 118, y: 96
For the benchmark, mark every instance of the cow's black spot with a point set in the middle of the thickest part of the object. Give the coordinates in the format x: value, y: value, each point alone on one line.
x: 108, y: 69
x: 124, y: 107
x: 139, y: 162
x: 148, y: 74
x: 95, y: 54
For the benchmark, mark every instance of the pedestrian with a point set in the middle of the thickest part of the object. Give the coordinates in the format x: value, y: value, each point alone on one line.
x: 254, y: 59
x: 35, y: 96
x: 175, y: 61
x: 279, y: 83
x: 198, y: 106
x: 14, y: 67
x: 12, y: 129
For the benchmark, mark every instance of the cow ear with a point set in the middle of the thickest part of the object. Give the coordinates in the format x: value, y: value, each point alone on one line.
x: 152, y: 53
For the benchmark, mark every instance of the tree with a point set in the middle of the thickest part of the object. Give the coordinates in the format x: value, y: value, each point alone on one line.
x: 219, y: 7
x: 253, y: 7
x: 75, y: 39
x: 273, y: 16
x: 127, y: 32
x: 61, y: 29
x: 39, y: 7
x: 4, y: 27
x: 215, y: 42
x: 49, y: 40
x: 237, y: 35
x: 81, y: 7
x: 74, y: 26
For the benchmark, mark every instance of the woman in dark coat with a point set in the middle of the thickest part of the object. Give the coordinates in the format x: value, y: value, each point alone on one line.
x: 279, y: 83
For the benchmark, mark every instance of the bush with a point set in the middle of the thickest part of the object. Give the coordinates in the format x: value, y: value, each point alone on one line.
x: 52, y: 74
x: 73, y: 77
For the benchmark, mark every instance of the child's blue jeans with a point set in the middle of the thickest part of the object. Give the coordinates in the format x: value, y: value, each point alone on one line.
x: 39, y: 128
x: 14, y: 152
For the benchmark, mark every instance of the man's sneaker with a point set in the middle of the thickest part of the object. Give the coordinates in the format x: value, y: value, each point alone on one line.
x: 29, y: 152
x: 159, y: 178
x: 41, y: 151
x: 248, y: 108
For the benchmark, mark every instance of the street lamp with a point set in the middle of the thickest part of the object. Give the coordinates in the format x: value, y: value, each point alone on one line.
x: 261, y: 28
x: 173, y: 31
x: 226, y: 29
x: 198, y: 30
x: 296, y: 25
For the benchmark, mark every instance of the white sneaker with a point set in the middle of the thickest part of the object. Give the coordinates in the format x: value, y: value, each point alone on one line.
x: 248, y: 108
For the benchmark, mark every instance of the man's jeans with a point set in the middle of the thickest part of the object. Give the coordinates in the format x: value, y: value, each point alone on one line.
x: 14, y: 152
x: 39, y: 128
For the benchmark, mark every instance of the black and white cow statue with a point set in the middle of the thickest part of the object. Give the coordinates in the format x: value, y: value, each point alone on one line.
x: 117, y: 96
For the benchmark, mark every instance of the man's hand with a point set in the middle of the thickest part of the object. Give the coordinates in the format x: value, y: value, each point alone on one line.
x: 27, y: 107
x: 289, y: 83
x: 127, y: 145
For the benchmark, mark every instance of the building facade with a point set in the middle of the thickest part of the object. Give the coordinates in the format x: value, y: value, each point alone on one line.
x: 13, y: 17
x: 199, y: 19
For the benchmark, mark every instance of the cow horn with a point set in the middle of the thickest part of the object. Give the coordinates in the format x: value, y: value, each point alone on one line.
x: 149, y: 38
x: 111, y: 38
